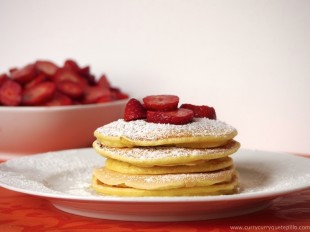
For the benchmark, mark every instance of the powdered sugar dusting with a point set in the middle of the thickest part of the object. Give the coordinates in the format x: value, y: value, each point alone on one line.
x: 159, y: 153
x: 142, y: 130
x: 155, y: 181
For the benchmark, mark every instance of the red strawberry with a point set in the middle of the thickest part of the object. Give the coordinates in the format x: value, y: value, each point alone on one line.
x: 38, y: 79
x: 10, y: 93
x: 76, y: 82
x: 63, y: 74
x: 71, y: 89
x: 117, y: 94
x: 71, y: 65
x: 93, y: 93
x: 161, y: 102
x: 134, y: 110
x: 38, y: 94
x: 120, y: 96
x: 46, y: 67
x: 3, y: 78
x: 103, y: 81
x: 201, y: 111
x: 59, y: 99
x: 177, y: 117
x: 85, y: 72
x: 11, y: 70
x: 104, y: 99
x: 24, y: 74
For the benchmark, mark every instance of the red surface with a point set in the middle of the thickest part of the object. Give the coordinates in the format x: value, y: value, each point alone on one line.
x: 21, y: 212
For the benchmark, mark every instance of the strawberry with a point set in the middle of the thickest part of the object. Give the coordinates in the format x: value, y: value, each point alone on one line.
x: 10, y: 93
x: 36, y: 80
x: 117, y: 94
x: 161, y: 102
x: 63, y: 74
x: 93, y: 93
x: 70, y: 89
x: 134, y: 110
x: 103, y: 99
x: 24, y: 74
x: 40, y: 80
x: 201, y: 111
x: 3, y: 78
x: 11, y: 70
x: 71, y: 65
x: 59, y: 99
x: 46, y: 67
x: 177, y: 117
x: 103, y: 81
x: 38, y: 94
x: 85, y: 72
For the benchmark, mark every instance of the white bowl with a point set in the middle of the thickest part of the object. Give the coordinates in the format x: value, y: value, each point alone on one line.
x: 29, y: 130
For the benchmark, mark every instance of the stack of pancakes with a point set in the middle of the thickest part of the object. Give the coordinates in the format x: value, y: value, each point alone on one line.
x: 151, y: 159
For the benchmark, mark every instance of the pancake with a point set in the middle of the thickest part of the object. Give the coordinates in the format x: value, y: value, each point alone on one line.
x: 230, y: 187
x: 163, y: 181
x: 202, y: 166
x: 160, y: 156
x: 202, y: 131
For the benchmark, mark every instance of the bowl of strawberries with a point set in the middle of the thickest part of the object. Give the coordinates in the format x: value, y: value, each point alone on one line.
x: 46, y: 107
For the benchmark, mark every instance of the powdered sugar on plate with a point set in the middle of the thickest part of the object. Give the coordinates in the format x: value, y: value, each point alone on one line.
x: 142, y: 130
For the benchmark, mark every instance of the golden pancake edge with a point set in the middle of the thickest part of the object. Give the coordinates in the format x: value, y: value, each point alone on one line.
x: 202, y: 131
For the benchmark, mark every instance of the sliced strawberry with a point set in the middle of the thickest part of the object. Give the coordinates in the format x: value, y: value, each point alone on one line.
x: 104, y: 99
x: 201, y: 111
x: 38, y: 94
x: 117, y: 94
x: 11, y: 70
x: 69, y: 75
x: 177, y: 117
x: 161, y: 102
x: 38, y: 79
x: 76, y: 82
x: 46, y: 67
x: 10, y: 93
x: 103, y: 82
x: 24, y: 74
x: 85, y: 72
x: 71, y: 89
x: 120, y: 96
x: 93, y: 93
x: 59, y: 99
x: 134, y: 110
x: 3, y: 78
x: 71, y: 65
x: 76, y: 102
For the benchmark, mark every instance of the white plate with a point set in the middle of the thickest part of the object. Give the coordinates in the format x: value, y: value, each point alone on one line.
x: 64, y: 179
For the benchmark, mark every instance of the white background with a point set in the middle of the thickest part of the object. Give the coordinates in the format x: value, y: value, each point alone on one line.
x: 249, y: 59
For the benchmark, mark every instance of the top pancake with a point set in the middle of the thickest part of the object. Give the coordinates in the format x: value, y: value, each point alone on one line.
x: 202, y: 132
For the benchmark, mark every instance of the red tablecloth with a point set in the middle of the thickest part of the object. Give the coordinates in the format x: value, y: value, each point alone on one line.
x: 21, y: 212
